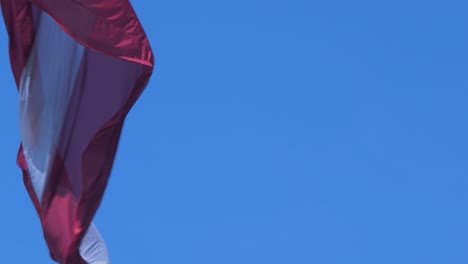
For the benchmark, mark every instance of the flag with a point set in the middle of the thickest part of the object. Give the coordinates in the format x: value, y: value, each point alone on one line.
x: 79, y: 66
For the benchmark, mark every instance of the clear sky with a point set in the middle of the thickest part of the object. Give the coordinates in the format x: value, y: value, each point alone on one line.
x: 281, y: 132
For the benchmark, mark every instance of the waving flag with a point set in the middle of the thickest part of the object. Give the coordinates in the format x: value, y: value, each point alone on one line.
x: 79, y: 66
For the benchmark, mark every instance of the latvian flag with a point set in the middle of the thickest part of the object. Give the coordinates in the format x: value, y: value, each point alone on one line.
x: 79, y: 66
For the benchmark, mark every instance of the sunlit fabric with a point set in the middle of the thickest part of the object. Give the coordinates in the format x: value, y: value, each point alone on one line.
x: 79, y: 66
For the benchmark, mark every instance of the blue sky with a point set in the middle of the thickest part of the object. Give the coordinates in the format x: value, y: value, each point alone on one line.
x: 281, y: 132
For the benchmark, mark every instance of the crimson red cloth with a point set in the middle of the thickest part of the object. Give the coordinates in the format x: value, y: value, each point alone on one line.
x: 113, y: 71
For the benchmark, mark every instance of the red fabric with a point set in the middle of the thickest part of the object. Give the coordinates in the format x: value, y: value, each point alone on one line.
x: 115, y: 70
x: 18, y: 20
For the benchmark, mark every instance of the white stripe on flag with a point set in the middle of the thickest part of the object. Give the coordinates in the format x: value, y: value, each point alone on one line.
x: 46, y: 87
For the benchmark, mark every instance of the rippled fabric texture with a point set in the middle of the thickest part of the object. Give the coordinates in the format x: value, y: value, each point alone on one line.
x: 79, y: 66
